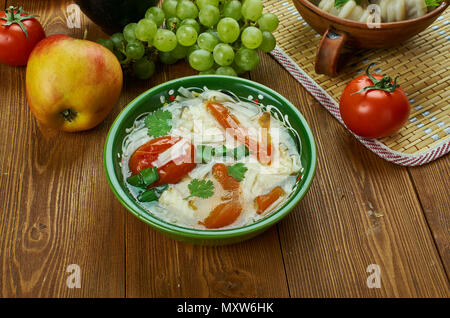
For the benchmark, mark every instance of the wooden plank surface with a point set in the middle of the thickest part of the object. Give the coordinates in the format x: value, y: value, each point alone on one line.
x: 359, y: 211
x: 432, y: 185
x: 51, y: 184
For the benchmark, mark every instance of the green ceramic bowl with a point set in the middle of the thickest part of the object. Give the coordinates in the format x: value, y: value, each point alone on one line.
x: 153, y: 99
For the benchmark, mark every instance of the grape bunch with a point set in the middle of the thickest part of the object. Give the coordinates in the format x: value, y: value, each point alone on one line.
x: 215, y: 37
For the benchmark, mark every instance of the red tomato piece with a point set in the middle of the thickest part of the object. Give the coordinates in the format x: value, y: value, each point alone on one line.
x: 263, y: 202
x: 221, y: 174
x: 229, y: 122
x: 224, y: 214
x: 170, y: 173
x: 15, y: 44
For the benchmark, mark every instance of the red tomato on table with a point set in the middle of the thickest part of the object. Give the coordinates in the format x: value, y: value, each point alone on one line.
x: 373, y: 106
x: 170, y: 173
x: 19, y: 33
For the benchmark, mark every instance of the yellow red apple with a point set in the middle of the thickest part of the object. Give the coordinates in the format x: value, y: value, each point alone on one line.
x: 72, y: 84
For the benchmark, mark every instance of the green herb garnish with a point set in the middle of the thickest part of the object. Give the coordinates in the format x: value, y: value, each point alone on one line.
x: 341, y: 3
x: 222, y: 151
x: 152, y: 194
x: 144, y: 178
x: 201, y: 188
x: 159, y: 123
x: 203, y: 154
x: 241, y: 152
x: 237, y: 171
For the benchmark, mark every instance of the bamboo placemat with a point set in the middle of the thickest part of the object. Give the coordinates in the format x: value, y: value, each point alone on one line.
x: 422, y: 62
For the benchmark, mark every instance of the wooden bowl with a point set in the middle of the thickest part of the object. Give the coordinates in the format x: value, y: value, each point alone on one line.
x: 338, y: 33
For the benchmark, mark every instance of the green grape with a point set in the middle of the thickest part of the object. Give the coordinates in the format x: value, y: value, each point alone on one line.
x: 268, y: 22
x: 268, y: 42
x: 118, y: 40
x: 179, y: 51
x: 135, y: 49
x: 232, y: 9
x: 213, y: 32
x: 167, y: 58
x: 228, y: 30
x: 120, y: 56
x: 207, y: 41
x: 211, y: 71
x: 165, y: 40
x: 106, y: 43
x: 223, y: 54
x: 143, y: 68
x: 209, y: 15
x: 186, y: 35
x: 156, y: 14
x: 186, y: 10
x: 251, y: 37
x: 202, y: 3
x: 252, y: 9
x: 239, y: 70
x: 201, y: 60
x: 226, y: 70
x: 192, y: 22
x: 246, y: 59
x: 145, y: 30
x: 128, y: 32
x: 172, y: 23
x: 170, y: 8
x: 191, y: 49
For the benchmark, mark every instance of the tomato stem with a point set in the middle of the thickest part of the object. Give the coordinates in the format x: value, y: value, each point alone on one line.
x: 14, y: 15
x: 383, y: 84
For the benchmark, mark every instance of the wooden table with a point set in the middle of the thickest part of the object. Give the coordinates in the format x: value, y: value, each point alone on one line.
x: 57, y: 209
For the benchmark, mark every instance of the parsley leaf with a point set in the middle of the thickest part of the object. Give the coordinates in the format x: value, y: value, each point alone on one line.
x: 340, y: 3
x: 237, y: 171
x: 158, y: 123
x: 201, y: 188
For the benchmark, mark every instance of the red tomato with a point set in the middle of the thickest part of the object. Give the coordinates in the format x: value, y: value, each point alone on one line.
x: 15, y: 44
x: 374, y: 113
x: 170, y: 173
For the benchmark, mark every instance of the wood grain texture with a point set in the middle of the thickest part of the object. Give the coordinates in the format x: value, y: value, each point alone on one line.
x: 51, y: 213
x: 432, y: 185
x: 360, y: 210
x: 57, y: 209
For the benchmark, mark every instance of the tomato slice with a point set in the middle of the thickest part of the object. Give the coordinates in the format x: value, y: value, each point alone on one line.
x: 170, y: 173
x: 228, y: 121
x: 224, y: 214
x: 221, y: 174
x: 266, y: 200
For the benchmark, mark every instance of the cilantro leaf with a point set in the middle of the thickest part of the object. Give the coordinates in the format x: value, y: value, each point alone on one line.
x: 237, y: 171
x: 158, y: 123
x: 201, y: 188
